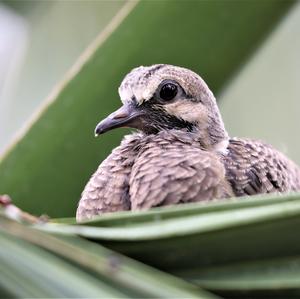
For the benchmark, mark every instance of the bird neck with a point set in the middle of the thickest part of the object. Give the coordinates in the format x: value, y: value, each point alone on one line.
x: 212, y: 141
x: 212, y: 134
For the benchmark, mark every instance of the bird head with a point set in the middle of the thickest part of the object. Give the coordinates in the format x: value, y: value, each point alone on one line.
x: 164, y: 97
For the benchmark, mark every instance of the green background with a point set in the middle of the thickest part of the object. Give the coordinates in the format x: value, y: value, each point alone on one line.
x: 46, y: 171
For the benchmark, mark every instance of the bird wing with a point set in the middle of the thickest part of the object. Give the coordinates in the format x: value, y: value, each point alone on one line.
x: 107, y: 189
x: 253, y: 167
x: 170, y: 173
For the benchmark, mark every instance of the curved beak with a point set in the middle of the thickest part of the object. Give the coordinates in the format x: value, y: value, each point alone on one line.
x: 126, y: 116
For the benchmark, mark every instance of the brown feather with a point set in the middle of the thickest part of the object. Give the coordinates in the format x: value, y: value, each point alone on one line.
x: 183, y: 152
x: 254, y: 167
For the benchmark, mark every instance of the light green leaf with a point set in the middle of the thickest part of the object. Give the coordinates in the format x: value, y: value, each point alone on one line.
x: 272, y: 274
x: 46, y: 171
x: 30, y: 272
x: 200, y: 235
x: 79, y: 268
x: 244, y: 246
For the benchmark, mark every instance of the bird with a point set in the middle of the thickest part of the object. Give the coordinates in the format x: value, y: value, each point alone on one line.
x: 180, y: 151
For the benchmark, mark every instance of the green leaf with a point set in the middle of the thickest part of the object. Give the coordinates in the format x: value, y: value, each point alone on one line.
x: 207, y: 227
x: 169, y: 212
x: 28, y: 271
x: 239, y: 247
x: 215, y: 245
x: 46, y: 171
x: 281, y: 275
x: 72, y: 267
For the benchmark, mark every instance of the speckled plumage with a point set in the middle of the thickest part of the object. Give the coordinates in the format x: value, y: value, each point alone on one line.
x: 254, y: 167
x: 182, y: 152
x: 146, y: 171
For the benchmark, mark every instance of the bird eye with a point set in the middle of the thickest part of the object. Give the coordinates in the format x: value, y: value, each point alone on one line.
x: 168, y: 91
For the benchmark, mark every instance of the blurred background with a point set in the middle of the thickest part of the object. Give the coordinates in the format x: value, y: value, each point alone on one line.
x: 39, y: 42
x: 247, y: 51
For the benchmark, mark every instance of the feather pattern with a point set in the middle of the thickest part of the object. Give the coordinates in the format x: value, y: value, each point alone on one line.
x: 182, y: 152
x: 254, y: 167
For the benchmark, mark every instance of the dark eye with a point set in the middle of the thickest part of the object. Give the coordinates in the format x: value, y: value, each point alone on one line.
x: 168, y: 91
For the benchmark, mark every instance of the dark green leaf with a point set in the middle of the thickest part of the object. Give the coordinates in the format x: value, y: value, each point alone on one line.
x: 199, y: 235
x: 79, y: 268
x: 46, y: 171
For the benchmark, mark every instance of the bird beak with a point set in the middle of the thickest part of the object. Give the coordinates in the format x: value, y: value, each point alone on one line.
x: 126, y: 116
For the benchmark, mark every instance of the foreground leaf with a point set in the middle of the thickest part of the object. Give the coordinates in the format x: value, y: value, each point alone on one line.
x: 277, y: 276
x: 30, y: 272
x: 240, y: 246
x: 72, y: 267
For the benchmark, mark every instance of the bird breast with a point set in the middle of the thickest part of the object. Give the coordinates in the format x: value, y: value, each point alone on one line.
x: 148, y: 171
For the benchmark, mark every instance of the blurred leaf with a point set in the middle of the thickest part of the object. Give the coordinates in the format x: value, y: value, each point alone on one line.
x: 41, y: 265
x: 46, y: 171
x: 28, y: 271
x: 237, y: 246
x: 279, y: 277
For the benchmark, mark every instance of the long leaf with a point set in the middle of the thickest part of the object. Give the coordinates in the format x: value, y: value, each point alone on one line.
x: 271, y: 277
x: 214, y: 237
x: 245, y: 247
x: 115, y: 272
x: 46, y: 171
x: 28, y: 271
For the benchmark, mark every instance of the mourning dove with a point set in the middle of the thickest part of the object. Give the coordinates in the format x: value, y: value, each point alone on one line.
x: 181, y: 152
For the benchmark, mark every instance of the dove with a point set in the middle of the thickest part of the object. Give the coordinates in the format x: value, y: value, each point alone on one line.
x: 181, y: 151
